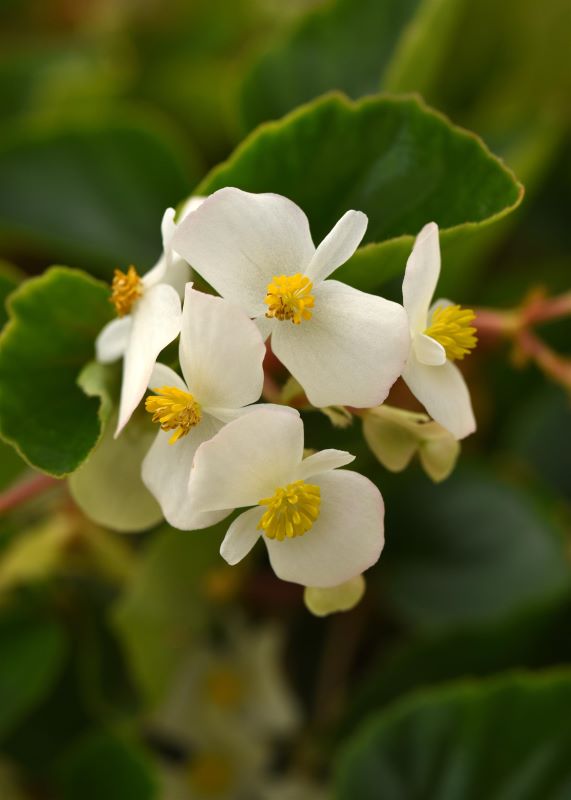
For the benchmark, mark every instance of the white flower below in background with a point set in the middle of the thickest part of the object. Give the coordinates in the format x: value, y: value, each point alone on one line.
x: 239, y: 681
x: 221, y: 354
x: 148, y: 311
x: 395, y: 436
x: 345, y: 347
x: 441, y: 334
x: 321, y: 525
x: 219, y: 765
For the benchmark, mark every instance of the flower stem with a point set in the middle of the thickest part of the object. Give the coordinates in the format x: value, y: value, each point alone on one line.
x: 24, y: 491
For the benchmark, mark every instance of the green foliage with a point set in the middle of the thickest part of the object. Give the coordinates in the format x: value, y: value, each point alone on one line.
x: 43, y: 412
x: 104, y: 765
x: 92, y: 193
x: 343, y: 44
x: 33, y: 650
x: 393, y: 158
x: 165, y: 604
x: 445, y: 744
x: 541, y: 436
x: 471, y: 549
x: 537, y: 638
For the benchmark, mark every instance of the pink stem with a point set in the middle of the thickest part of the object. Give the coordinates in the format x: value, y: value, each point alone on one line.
x: 25, y: 490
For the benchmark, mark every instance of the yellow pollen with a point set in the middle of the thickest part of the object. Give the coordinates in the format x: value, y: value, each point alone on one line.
x: 126, y: 288
x: 225, y: 687
x: 210, y: 774
x: 451, y: 327
x: 289, y: 298
x: 292, y: 510
x: 174, y: 410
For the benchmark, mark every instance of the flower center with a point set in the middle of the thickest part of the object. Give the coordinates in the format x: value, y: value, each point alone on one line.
x: 210, y: 774
x: 451, y: 327
x: 225, y: 687
x: 292, y: 510
x: 126, y: 288
x: 174, y: 410
x: 289, y: 298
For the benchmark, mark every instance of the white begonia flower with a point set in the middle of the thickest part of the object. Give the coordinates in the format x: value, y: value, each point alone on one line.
x: 440, y: 334
x: 321, y: 525
x: 220, y: 764
x: 395, y: 436
x: 240, y: 681
x: 148, y: 315
x: 221, y: 354
x: 257, y: 250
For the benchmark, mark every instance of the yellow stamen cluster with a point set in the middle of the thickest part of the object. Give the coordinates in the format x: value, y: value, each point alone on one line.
x: 210, y: 774
x: 451, y: 326
x: 126, y: 288
x: 174, y: 410
x: 292, y: 510
x: 289, y: 298
x: 225, y: 687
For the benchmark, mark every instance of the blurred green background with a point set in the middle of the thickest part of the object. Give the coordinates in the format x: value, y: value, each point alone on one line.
x: 452, y: 678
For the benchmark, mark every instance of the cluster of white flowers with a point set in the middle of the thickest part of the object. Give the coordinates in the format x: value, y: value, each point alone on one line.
x: 228, y: 709
x: 216, y: 449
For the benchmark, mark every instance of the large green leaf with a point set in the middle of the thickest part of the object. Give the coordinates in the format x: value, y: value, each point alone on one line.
x: 43, y: 412
x: 103, y: 765
x: 537, y: 638
x: 508, y: 738
x: 345, y: 45
x: 540, y: 433
x: 165, y: 604
x: 471, y: 549
x: 33, y: 651
x: 393, y: 158
x: 91, y: 193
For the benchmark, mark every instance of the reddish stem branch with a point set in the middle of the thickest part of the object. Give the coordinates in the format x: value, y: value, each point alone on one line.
x: 25, y: 490
x: 555, y: 366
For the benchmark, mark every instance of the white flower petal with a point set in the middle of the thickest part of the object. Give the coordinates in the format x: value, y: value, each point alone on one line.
x: 165, y: 376
x: 428, y: 350
x: 346, y: 539
x: 242, y: 535
x: 248, y: 460
x: 238, y: 241
x: 221, y: 352
x: 350, y: 352
x: 443, y: 392
x: 324, y: 461
x: 338, y: 246
x: 157, y: 273
x: 265, y: 325
x: 112, y: 342
x: 421, y: 276
x: 156, y: 322
x: 189, y: 206
x: 177, y: 275
x: 166, y: 472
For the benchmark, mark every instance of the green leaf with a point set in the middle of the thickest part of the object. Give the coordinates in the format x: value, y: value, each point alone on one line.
x: 343, y: 44
x: 43, y: 412
x: 10, y: 277
x: 105, y: 766
x: 33, y: 651
x: 165, y: 604
x: 393, y: 158
x: 537, y: 638
x: 471, y: 549
x: 507, y: 738
x: 540, y: 434
x: 91, y: 193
